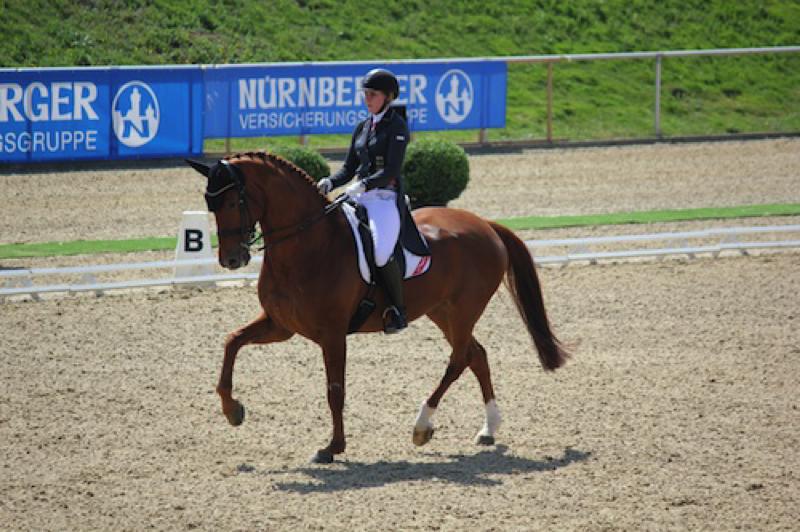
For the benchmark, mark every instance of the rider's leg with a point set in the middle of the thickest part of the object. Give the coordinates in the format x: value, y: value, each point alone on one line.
x: 395, y: 316
x: 384, y: 223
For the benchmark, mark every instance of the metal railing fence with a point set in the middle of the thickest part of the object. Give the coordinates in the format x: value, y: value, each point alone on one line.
x: 553, y: 59
x: 658, y: 56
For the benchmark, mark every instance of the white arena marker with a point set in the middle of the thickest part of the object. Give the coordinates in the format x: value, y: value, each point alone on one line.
x: 194, y: 242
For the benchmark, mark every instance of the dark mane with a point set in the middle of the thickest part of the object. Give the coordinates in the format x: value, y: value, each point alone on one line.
x: 277, y: 161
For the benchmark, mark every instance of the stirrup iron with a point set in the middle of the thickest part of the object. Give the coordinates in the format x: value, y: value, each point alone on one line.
x: 393, y: 320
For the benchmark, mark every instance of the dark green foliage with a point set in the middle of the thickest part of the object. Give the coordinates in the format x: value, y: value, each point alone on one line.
x: 306, y: 158
x: 435, y: 171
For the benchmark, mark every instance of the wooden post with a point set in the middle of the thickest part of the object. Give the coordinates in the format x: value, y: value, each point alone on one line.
x: 658, y: 97
x: 227, y: 145
x: 550, y: 102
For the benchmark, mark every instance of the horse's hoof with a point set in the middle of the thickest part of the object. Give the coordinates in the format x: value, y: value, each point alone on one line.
x: 421, y: 437
x: 236, y: 418
x: 323, y: 456
x: 484, y: 440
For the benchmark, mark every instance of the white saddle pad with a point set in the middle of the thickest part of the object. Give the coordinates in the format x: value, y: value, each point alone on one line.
x: 415, y: 264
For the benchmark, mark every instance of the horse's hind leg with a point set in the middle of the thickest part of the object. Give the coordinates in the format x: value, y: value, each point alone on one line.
x: 457, y: 326
x: 262, y: 330
x: 479, y: 364
x: 460, y: 337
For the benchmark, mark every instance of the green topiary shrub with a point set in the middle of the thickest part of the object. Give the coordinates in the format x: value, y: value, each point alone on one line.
x: 306, y: 158
x: 435, y: 172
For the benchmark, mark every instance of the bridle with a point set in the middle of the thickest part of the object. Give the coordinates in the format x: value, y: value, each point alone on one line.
x: 247, y: 228
x: 247, y: 231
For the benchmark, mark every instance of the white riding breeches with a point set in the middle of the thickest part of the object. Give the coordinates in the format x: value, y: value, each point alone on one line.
x: 384, y: 221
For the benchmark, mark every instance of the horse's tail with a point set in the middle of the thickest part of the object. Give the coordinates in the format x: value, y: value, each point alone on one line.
x: 523, y: 283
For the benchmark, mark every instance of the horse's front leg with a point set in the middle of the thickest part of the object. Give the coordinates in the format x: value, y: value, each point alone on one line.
x: 262, y: 330
x: 334, y: 353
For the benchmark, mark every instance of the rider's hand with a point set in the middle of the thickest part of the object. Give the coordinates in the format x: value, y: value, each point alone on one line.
x: 355, y: 189
x: 324, y: 186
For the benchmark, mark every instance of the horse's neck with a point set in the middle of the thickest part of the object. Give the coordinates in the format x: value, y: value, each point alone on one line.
x: 317, y: 252
x: 298, y: 229
x: 287, y: 200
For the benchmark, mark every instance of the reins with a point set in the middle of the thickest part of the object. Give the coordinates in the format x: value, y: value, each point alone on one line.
x: 247, y: 230
x: 300, y: 227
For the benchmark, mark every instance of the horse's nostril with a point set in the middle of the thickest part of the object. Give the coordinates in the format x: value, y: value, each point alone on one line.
x: 233, y: 263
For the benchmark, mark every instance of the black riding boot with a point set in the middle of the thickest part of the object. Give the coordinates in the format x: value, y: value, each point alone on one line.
x: 394, y: 317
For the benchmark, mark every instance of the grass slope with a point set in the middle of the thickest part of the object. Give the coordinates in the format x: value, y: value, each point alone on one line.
x: 592, y: 100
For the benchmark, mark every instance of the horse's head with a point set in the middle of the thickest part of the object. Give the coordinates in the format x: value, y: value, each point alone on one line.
x: 226, y: 197
x: 258, y: 187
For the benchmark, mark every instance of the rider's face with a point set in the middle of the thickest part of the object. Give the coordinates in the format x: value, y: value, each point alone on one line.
x: 374, y: 99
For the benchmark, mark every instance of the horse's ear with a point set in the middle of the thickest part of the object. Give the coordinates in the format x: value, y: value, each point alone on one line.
x: 200, y: 167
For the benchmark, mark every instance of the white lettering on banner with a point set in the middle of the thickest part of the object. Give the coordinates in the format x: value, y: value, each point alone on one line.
x: 308, y: 92
x: 315, y: 119
x: 325, y: 91
x: 359, y: 93
x: 262, y: 102
x: 418, y: 84
x: 412, y: 87
x: 59, y: 100
x: 10, y: 97
x: 49, y: 141
x: 247, y: 93
x: 286, y: 87
x: 84, y: 102
x: 417, y: 115
x: 39, y: 112
x: 42, y: 103
x: 308, y: 119
x: 327, y: 94
x: 343, y: 92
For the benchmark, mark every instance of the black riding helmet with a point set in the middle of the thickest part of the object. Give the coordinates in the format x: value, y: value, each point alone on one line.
x: 380, y: 79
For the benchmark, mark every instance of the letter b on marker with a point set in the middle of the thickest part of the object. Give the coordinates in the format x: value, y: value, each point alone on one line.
x: 192, y: 240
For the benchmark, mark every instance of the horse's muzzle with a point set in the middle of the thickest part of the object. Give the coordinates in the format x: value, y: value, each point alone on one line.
x: 234, y: 261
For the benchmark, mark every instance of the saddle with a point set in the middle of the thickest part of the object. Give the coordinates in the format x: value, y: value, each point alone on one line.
x: 411, y: 264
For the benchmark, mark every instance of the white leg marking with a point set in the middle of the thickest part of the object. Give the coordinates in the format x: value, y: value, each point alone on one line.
x: 424, y: 417
x: 493, y: 419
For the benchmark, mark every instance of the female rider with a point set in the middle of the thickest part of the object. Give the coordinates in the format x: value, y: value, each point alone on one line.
x: 375, y: 157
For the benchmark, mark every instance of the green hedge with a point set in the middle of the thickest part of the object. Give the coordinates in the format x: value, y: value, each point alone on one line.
x: 306, y: 158
x: 435, y: 171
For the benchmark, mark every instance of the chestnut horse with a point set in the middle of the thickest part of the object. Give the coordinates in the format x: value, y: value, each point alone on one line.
x: 310, y: 282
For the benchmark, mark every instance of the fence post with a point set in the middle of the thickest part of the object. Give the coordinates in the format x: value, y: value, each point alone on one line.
x: 658, y: 97
x: 549, y: 102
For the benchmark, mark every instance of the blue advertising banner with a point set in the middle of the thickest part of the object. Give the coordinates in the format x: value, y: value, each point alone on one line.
x: 301, y: 99
x: 99, y: 113
x: 58, y: 114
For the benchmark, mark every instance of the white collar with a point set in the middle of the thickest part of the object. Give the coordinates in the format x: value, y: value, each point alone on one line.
x: 378, y: 117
